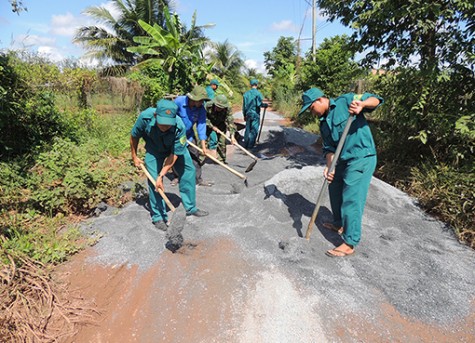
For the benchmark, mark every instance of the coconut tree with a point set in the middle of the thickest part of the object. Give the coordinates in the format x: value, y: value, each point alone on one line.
x: 226, y: 58
x: 107, y: 41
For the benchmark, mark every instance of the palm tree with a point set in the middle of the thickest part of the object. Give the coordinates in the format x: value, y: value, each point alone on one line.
x: 108, y: 41
x: 226, y: 59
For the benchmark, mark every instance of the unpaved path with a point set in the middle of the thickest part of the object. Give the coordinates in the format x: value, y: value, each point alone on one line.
x: 246, y: 275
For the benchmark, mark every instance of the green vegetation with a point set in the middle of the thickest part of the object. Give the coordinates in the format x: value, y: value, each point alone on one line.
x: 54, y: 163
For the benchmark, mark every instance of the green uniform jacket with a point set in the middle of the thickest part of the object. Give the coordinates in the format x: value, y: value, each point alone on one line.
x: 223, y: 120
x: 252, y: 102
x: 359, y: 142
x: 160, y: 143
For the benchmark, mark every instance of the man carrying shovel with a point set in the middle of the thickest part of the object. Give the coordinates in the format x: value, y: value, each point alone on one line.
x: 349, y: 183
x: 165, y: 145
x: 252, y: 101
x: 219, y: 117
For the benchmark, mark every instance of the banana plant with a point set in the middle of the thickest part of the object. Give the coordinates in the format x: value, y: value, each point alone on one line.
x: 177, y: 50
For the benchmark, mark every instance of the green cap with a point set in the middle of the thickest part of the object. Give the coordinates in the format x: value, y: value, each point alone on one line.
x: 309, y: 97
x: 221, y: 101
x: 214, y: 82
x: 198, y: 94
x: 166, y: 112
x: 254, y: 82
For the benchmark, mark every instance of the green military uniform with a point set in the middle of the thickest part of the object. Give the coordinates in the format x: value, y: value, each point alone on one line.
x: 251, y: 108
x: 209, y: 90
x: 356, y: 165
x: 219, y: 114
x: 159, y: 145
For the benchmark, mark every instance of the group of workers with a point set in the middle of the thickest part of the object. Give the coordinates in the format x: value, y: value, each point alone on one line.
x: 168, y: 127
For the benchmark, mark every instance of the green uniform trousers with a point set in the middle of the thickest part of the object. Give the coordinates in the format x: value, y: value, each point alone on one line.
x: 252, y: 130
x: 217, y: 143
x: 348, y: 192
x: 187, y: 185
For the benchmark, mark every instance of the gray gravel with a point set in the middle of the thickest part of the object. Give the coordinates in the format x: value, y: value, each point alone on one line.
x: 405, y: 258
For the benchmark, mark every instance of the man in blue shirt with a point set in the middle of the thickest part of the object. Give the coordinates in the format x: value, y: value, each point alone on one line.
x: 349, y: 183
x: 165, y: 147
x: 192, y: 111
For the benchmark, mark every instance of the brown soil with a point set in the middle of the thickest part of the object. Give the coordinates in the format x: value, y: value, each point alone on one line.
x: 186, y: 297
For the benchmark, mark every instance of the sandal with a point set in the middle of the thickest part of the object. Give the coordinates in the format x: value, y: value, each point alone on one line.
x: 338, y: 253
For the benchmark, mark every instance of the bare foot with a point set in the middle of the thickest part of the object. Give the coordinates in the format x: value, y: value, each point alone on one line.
x: 341, y: 251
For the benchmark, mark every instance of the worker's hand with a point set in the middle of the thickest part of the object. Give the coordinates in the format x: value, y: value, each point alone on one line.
x: 233, y: 140
x: 356, y: 107
x: 264, y: 105
x: 137, y: 162
x: 159, y: 183
x: 204, y: 151
x: 327, y: 175
x: 215, y: 129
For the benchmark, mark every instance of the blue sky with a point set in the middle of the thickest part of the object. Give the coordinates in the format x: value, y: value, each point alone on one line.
x: 253, y: 26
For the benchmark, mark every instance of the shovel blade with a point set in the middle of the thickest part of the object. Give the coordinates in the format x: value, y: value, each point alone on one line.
x: 176, y: 224
x: 251, y: 166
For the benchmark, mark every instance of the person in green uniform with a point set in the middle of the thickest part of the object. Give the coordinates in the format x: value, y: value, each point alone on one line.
x: 211, y: 88
x: 251, y: 109
x: 165, y: 147
x: 349, y: 183
x: 219, y: 116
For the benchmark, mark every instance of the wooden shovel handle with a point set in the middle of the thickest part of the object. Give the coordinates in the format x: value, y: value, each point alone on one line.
x: 160, y: 191
x: 218, y: 161
x: 236, y: 144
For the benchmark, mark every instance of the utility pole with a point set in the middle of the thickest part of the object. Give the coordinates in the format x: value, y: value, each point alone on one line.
x: 314, y: 28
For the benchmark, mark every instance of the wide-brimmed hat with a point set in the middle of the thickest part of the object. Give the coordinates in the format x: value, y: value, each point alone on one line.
x: 221, y: 101
x: 309, y: 97
x: 166, y: 112
x: 198, y: 94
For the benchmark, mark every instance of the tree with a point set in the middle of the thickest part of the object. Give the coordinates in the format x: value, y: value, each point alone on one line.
x: 226, y: 59
x: 109, y: 40
x: 17, y: 6
x: 282, y: 58
x: 177, y: 50
x: 333, y: 69
x: 430, y: 34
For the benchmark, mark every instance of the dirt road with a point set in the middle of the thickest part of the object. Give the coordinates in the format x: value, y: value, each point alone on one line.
x: 245, y: 274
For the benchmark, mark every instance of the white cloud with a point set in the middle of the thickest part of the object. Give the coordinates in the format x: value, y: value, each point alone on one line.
x: 258, y: 65
x: 51, y: 53
x: 65, y: 24
x: 284, y: 25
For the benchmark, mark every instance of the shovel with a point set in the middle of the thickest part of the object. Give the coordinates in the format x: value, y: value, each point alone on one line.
x: 262, y: 124
x: 220, y: 163
x: 253, y: 163
x: 160, y: 191
x: 175, y: 227
x: 332, y: 168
